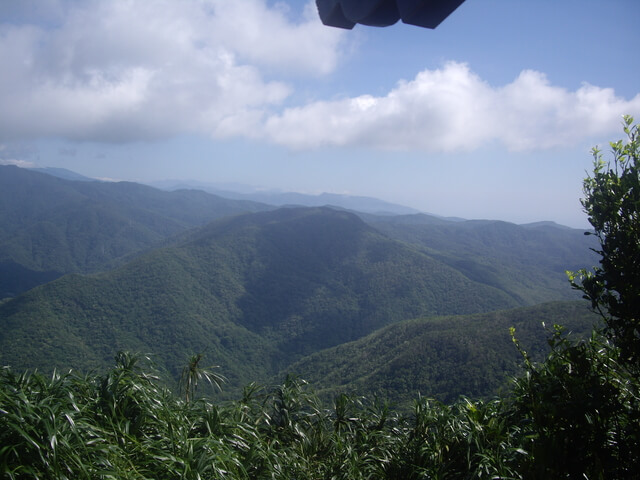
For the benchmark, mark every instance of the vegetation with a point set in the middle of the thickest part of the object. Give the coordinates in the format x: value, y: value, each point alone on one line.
x: 526, y: 261
x: 443, y: 358
x: 612, y: 202
x: 558, y: 422
x: 573, y: 414
x: 50, y: 226
x: 124, y: 425
x: 192, y: 373
x: 583, y: 401
x: 255, y: 293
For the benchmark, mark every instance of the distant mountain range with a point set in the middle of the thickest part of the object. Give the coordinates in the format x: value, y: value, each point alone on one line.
x: 245, y: 192
x: 349, y: 202
x: 96, y: 267
x: 64, y: 174
x: 50, y: 226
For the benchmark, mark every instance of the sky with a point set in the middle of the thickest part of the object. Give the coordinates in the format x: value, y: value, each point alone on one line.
x: 493, y: 114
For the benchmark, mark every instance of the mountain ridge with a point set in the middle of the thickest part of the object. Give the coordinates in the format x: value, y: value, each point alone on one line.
x: 49, y: 224
x: 253, y: 287
x: 442, y: 357
x: 255, y: 291
x: 236, y: 191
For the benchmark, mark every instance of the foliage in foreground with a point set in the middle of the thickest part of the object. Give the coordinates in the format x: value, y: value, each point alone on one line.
x: 573, y: 414
x: 124, y: 425
x: 612, y: 203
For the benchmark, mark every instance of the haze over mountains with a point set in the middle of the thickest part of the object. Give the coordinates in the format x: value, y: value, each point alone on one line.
x: 52, y: 226
x: 244, y: 192
x: 90, y: 268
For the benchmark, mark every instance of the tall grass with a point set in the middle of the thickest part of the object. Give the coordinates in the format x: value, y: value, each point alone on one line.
x: 126, y: 425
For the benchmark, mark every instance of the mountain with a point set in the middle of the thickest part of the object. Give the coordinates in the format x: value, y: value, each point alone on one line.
x: 97, y: 267
x: 528, y: 262
x: 50, y: 226
x: 545, y: 224
x: 442, y: 357
x: 64, y: 173
x: 254, y: 292
x: 272, y: 285
x: 241, y: 192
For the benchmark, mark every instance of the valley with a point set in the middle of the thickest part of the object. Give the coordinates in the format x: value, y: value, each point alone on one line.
x: 322, y: 292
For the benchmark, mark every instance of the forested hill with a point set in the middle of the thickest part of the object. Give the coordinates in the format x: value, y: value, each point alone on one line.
x: 50, y: 226
x: 254, y: 292
x: 527, y: 261
x: 443, y: 357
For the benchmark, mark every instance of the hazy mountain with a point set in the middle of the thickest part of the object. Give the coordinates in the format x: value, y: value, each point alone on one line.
x: 545, y: 224
x: 257, y: 292
x: 64, y: 173
x: 270, y: 285
x: 50, y: 226
x: 243, y: 192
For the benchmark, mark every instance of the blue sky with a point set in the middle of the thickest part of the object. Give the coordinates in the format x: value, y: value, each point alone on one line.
x: 490, y: 115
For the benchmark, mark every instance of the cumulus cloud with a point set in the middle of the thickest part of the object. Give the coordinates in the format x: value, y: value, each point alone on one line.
x: 453, y: 109
x: 17, y: 163
x: 136, y: 70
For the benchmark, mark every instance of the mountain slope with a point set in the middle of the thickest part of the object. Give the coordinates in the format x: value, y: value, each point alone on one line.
x: 254, y: 292
x: 526, y: 261
x: 50, y: 226
x: 442, y: 357
x: 328, y: 265
x: 63, y: 173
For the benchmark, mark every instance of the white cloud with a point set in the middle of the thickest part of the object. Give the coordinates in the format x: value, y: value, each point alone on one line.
x: 17, y: 154
x: 17, y: 163
x: 143, y: 69
x: 269, y: 39
x: 131, y: 70
x: 453, y: 109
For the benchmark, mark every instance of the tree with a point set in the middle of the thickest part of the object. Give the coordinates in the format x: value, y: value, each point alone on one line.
x: 192, y: 373
x: 580, y: 408
x: 612, y: 203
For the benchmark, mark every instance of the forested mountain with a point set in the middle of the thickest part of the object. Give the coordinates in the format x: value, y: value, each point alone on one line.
x: 274, y: 285
x: 50, y: 226
x: 526, y: 261
x: 254, y: 292
x: 442, y: 357
x: 257, y: 292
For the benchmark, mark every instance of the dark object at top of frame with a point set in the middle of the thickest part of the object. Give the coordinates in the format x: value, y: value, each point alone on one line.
x: 382, y: 13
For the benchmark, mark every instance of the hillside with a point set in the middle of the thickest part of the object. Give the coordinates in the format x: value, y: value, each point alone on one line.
x: 528, y: 262
x: 441, y: 357
x: 50, y: 226
x: 254, y: 292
